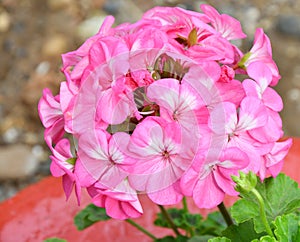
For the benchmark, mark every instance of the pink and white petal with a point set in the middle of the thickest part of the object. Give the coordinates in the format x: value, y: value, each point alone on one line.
x: 113, y: 107
x: 272, y: 100
x: 263, y: 134
x: 56, y: 170
x: 225, y: 183
x: 278, y: 152
x: 261, y: 73
x: 165, y: 92
x: 188, y: 181
x: 114, y: 209
x: 229, y: 27
x: 252, y: 114
x: 68, y: 184
x: 252, y: 89
x: 49, y: 108
x: 207, y: 193
x: 132, y: 209
x: 167, y: 196
x: 223, y: 118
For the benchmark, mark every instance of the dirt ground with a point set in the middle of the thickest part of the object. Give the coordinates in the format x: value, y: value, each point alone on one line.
x: 34, y: 33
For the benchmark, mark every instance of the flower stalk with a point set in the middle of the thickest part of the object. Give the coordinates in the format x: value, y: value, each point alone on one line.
x: 169, y: 219
x: 225, y: 214
x: 140, y: 228
x: 262, y: 211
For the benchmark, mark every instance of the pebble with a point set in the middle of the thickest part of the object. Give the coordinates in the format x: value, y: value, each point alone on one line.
x: 17, y: 162
x: 249, y: 22
x: 294, y: 95
x: 11, y: 135
x: 289, y: 24
x: 90, y: 26
x: 5, y: 21
x: 58, y: 4
x: 43, y: 68
x: 55, y: 46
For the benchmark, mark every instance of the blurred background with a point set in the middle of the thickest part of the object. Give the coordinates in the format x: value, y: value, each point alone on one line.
x: 34, y: 33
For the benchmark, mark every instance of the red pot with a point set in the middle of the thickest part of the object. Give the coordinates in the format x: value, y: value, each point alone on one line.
x: 40, y: 211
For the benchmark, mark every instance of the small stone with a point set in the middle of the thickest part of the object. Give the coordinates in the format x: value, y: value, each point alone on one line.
x: 43, y: 68
x: 112, y: 7
x: 55, y: 46
x: 4, y: 21
x: 289, y: 24
x: 58, y: 4
x: 17, y: 162
x: 11, y: 135
x: 294, y: 95
x: 90, y: 26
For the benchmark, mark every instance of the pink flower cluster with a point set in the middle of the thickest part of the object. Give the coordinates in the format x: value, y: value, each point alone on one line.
x: 167, y: 106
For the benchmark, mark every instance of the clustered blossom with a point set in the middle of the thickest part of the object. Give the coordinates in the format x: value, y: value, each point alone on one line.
x: 167, y: 106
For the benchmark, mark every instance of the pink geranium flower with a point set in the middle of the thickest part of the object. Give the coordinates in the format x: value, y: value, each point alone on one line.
x: 161, y: 159
x: 51, y: 116
x: 262, y: 52
x: 63, y: 164
x: 229, y: 27
x: 102, y: 159
x: 209, y: 181
x: 120, y: 203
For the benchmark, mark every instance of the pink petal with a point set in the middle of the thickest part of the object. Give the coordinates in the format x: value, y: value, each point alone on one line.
x: 167, y: 196
x: 252, y: 114
x: 207, y: 193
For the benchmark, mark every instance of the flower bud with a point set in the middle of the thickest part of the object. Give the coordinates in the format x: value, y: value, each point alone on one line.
x: 245, y: 182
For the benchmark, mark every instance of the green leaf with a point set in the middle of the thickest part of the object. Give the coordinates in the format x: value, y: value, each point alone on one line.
x: 281, y: 196
x: 214, y: 224
x: 90, y: 215
x: 287, y: 228
x: 220, y: 239
x: 180, y: 218
x: 200, y: 238
x: 55, y: 240
x: 243, y: 232
x: 266, y: 238
x: 169, y: 238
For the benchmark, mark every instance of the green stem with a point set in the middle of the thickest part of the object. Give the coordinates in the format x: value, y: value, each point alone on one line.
x: 262, y: 211
x: 185, y: 207
x: 140, y: 228
x: 169, y: 219
x: 225, y: 214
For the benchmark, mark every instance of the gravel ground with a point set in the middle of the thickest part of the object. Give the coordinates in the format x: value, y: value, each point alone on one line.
x: 34, y: 33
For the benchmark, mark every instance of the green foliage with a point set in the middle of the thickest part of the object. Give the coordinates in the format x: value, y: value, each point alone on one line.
x: 287, y: 227
x: 200, y: 238
x: 220, y: 239
x: 181, y: 219
x: 90, y: 215
x: 266, y: 238
x: 243, y: 232
x: 281, y: 196
x: 214, y: 224
x: 55, y: 240
x: 179, y: 238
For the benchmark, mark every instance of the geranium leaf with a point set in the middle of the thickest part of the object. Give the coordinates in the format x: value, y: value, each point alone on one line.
x: 243, y: 232
x: 266, y: 238
x: 180, y: 218
x: 214, y: 224
x: 281, y: 196
x: 219, y: 239
x: 169, y: 238
x: 55, y: 240
x: 287, y: 228
x: 90, y: 215
x: 200, y: 238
